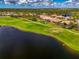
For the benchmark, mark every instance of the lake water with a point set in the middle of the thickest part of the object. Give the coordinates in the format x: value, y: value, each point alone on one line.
x: 16, y: 44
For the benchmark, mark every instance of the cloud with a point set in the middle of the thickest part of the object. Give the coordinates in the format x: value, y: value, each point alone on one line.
x: 69, y: 1
x: 11, y: 1
x: 22, y: 1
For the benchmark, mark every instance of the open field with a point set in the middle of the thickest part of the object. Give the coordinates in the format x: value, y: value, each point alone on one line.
x: 67, y: 36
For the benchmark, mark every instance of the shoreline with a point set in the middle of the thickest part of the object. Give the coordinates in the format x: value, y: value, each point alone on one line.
x: 66, y: 47
x: 35, y: 27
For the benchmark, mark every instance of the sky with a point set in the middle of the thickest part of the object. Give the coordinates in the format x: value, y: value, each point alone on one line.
x: 60, y: 0
x: 57, y: 5
x: 53, y: 0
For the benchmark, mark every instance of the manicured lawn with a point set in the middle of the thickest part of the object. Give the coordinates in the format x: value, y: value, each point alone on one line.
x: 68, y: 37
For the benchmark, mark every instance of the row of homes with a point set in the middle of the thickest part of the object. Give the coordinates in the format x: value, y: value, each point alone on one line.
x: 58, y: 19
x: 55, y: 18
x: 15, y: 14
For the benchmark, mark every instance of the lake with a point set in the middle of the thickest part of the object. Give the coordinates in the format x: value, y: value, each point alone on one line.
x: 17, y: 44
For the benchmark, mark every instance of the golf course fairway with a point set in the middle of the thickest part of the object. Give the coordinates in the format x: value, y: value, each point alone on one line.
x: 67, y: 36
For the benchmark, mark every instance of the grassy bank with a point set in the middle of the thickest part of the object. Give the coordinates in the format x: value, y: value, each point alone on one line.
x: 70, y: 38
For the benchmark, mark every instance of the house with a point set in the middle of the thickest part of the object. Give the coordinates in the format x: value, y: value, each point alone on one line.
x: 45, y: 17
x: 50, y: 19
x: 59, y: 17
x: 54, y: 15
x: 67, y: 15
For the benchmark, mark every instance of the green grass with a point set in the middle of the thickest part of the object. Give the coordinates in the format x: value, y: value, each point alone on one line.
x: 68, y: 37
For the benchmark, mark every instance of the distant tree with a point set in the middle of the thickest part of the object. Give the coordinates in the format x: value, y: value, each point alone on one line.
x: 33, y: 19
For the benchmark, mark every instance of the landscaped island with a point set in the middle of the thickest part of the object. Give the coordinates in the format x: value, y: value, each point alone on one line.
x: 69, y: 37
